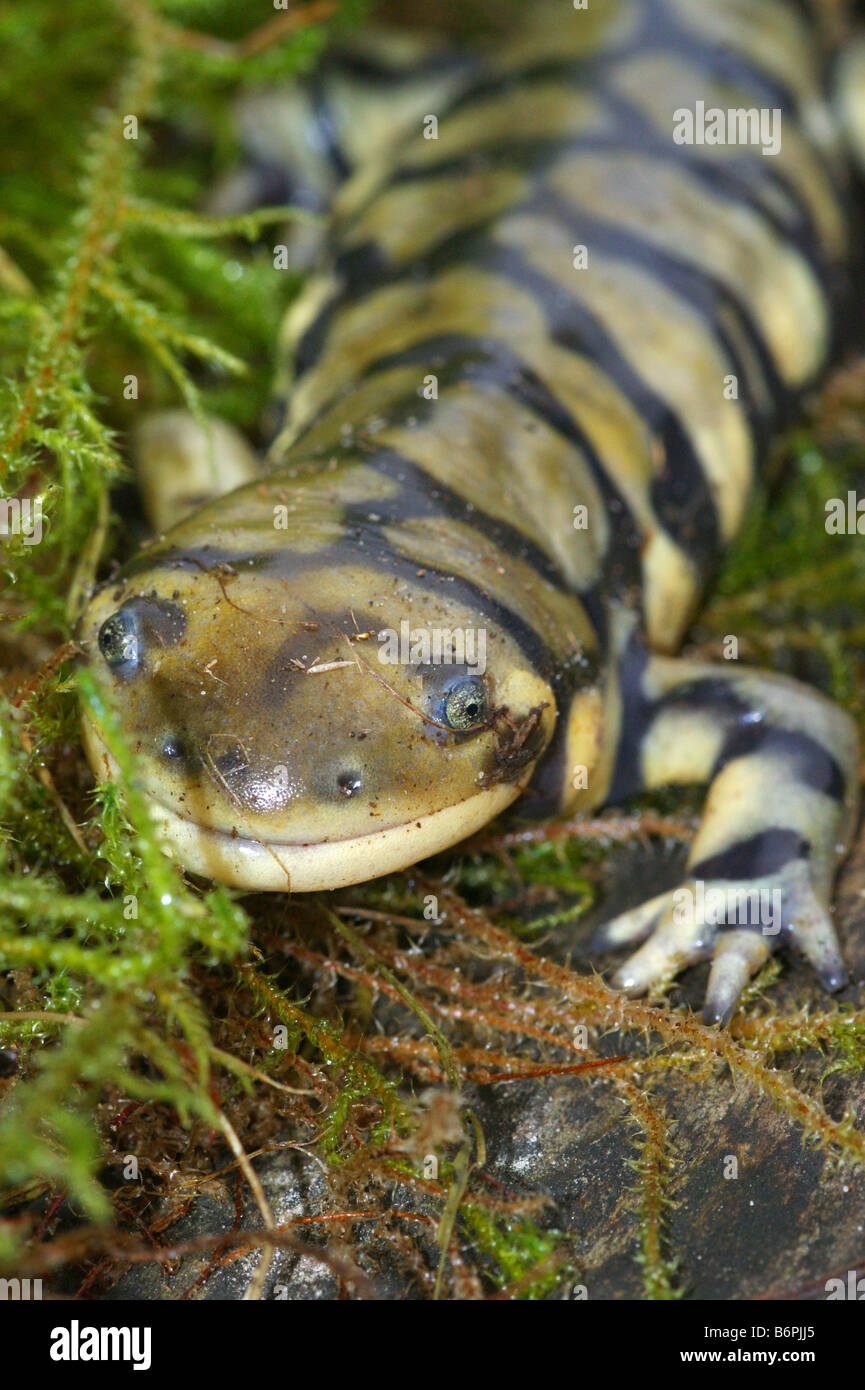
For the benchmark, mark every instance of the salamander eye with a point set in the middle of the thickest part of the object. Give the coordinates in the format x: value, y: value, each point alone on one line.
x: 119, y: 643
x: 466, y: 704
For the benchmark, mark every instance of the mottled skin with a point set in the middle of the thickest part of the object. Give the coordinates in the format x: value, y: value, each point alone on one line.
x: 480, y: 432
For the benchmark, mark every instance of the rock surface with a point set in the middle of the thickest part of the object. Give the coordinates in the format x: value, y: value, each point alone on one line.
x: 790, y: 1220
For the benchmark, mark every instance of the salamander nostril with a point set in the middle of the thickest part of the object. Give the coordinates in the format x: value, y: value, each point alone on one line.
x: 173, y: 749
x: 349, y: 783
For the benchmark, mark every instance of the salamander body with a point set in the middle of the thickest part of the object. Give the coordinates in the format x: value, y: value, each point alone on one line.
x: 524, y: 400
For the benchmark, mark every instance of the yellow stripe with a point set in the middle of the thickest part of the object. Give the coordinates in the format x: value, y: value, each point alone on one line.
x: 660, y: 84
x: 667, y: 343
x: 669, y: 208
x: 408, y: 219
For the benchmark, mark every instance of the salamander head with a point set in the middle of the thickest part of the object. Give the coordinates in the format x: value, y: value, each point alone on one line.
x: 305, y: 718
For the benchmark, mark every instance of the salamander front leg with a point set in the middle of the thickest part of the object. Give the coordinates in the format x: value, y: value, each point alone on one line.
x: 182, y: 463
x: 781, y: 765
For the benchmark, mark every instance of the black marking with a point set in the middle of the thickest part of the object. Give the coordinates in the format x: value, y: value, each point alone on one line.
x: 670, y: 34
x: 363, y: 543
x: 379, y: 551
x: 326, y: 127
x: 738, y: 180
x: 586, y: 68
x: 758, y: 856
x: 162, y: 621
x: 549, y: 785
x: 807, y: 759
x: 659, y: 31
x: 490, y: 362
x: 361, y: 269
x: 205, y: 559
x: 422, y: 495
x: 375, y: 68
x: 701, y: 290
x: 277, y: 186
x: 749, y: 731
x: 544, y: 794
x: 309, y: 346
x: 681, y: 496
x: 745, y: 731
x: 637, y: 715
x: 715, y: 693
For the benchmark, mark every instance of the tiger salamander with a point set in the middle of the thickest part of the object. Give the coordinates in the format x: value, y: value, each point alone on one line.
x: 570, y: 287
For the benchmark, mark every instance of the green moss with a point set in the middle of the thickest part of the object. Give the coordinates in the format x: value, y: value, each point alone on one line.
x: 109, y: 274
x: 526, y: 1261
x: 792, y: 587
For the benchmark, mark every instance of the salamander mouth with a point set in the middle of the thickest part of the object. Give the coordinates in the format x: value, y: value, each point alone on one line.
x: 285, y: 866
x: 282, y: 866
